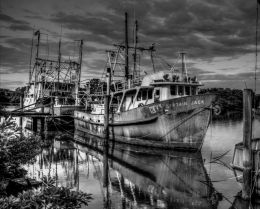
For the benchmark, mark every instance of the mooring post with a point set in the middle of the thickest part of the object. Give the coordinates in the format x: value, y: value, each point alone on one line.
x: 247, y: 136
x: 21, y: 106
x: 106, y: 130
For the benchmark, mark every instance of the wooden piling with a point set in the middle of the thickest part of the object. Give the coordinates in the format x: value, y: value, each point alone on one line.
x: 106, y: 130
x: 247, y: 137
x: 21, y: 106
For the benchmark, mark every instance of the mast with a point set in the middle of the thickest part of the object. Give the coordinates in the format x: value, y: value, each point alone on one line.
x: 126, y: 52
x: 183, y: 65
x: 151, y: 51
x: 38, y: 34
x: 80, y: 60
x: 135, y: 45
x: 77, y: 84
x: 30, y: 67
x: 59, y: 60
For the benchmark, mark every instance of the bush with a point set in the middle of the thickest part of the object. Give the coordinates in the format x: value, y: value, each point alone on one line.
x: 47, y: 196
x: 15, y: 149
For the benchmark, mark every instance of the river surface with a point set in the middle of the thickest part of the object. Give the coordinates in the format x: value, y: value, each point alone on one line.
x: 145, y: 178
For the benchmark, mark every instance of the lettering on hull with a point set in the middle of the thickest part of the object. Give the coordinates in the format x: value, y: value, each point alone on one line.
x: 158, y: 107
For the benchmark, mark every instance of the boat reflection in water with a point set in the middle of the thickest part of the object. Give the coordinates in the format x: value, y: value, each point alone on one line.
x: 137, y: 178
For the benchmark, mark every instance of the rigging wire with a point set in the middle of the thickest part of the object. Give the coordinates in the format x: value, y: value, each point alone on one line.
x: 256, y: 42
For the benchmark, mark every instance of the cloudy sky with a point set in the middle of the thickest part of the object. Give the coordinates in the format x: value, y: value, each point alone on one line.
x: 219, y: 36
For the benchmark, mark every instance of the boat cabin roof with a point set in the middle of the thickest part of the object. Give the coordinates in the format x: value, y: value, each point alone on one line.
x: 53, y: 82
x: 126, y: 91
x: 164, y: 83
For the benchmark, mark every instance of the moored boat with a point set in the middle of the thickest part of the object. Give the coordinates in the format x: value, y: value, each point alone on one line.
x: 53, y: 90
x: 153, y: 115
x: 162, y: 109
x: 54, y: 84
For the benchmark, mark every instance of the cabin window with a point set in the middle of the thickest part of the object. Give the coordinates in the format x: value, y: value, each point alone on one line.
x: 139, y: 96
x: 180, y: 90
x: 116, y: 101
x: 144, y: 94
x: 157, y: 95
x: 123, y: 106
x: 193, y: 90
x: 187, y: 90
x: 173, y: 90
x: 119, y: 97
x: 128, y: 100
x: 150, y: 93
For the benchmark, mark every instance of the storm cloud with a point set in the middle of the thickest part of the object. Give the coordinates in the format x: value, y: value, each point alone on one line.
x: 206, y: 29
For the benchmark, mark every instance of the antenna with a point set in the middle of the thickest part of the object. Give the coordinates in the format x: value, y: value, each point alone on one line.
x: 59, y: 55
x: 30, y: 66
x: 126, y: 49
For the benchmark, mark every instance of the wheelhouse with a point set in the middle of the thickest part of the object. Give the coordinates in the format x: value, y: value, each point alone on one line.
x: 171, y: 90
x: 131, y: 98
x: 157, y: 91
x: 60, y: 93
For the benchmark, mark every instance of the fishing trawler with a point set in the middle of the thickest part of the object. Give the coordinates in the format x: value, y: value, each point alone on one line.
x: 161, y: 109
x: 53, y: 83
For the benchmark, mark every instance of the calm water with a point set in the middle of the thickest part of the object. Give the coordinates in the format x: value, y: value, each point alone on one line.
x: 150, y: 178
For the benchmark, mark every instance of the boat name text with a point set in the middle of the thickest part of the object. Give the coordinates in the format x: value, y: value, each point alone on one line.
x: 156, y: 108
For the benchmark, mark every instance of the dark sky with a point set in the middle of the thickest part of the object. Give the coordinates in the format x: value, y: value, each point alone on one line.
x: 219, y: 35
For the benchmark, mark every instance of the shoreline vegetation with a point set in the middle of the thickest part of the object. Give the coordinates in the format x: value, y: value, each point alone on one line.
x: 10, y: 97
x: 16, y: 149
x: 228, y: 99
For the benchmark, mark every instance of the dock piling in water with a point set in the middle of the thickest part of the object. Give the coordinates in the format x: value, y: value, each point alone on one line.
x: 106, y: 130
x: 247, y: 147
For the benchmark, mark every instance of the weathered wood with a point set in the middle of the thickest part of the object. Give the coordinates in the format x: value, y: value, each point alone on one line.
x: 247, y: 137
x: 106, y: 131
x: 247, y: 117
